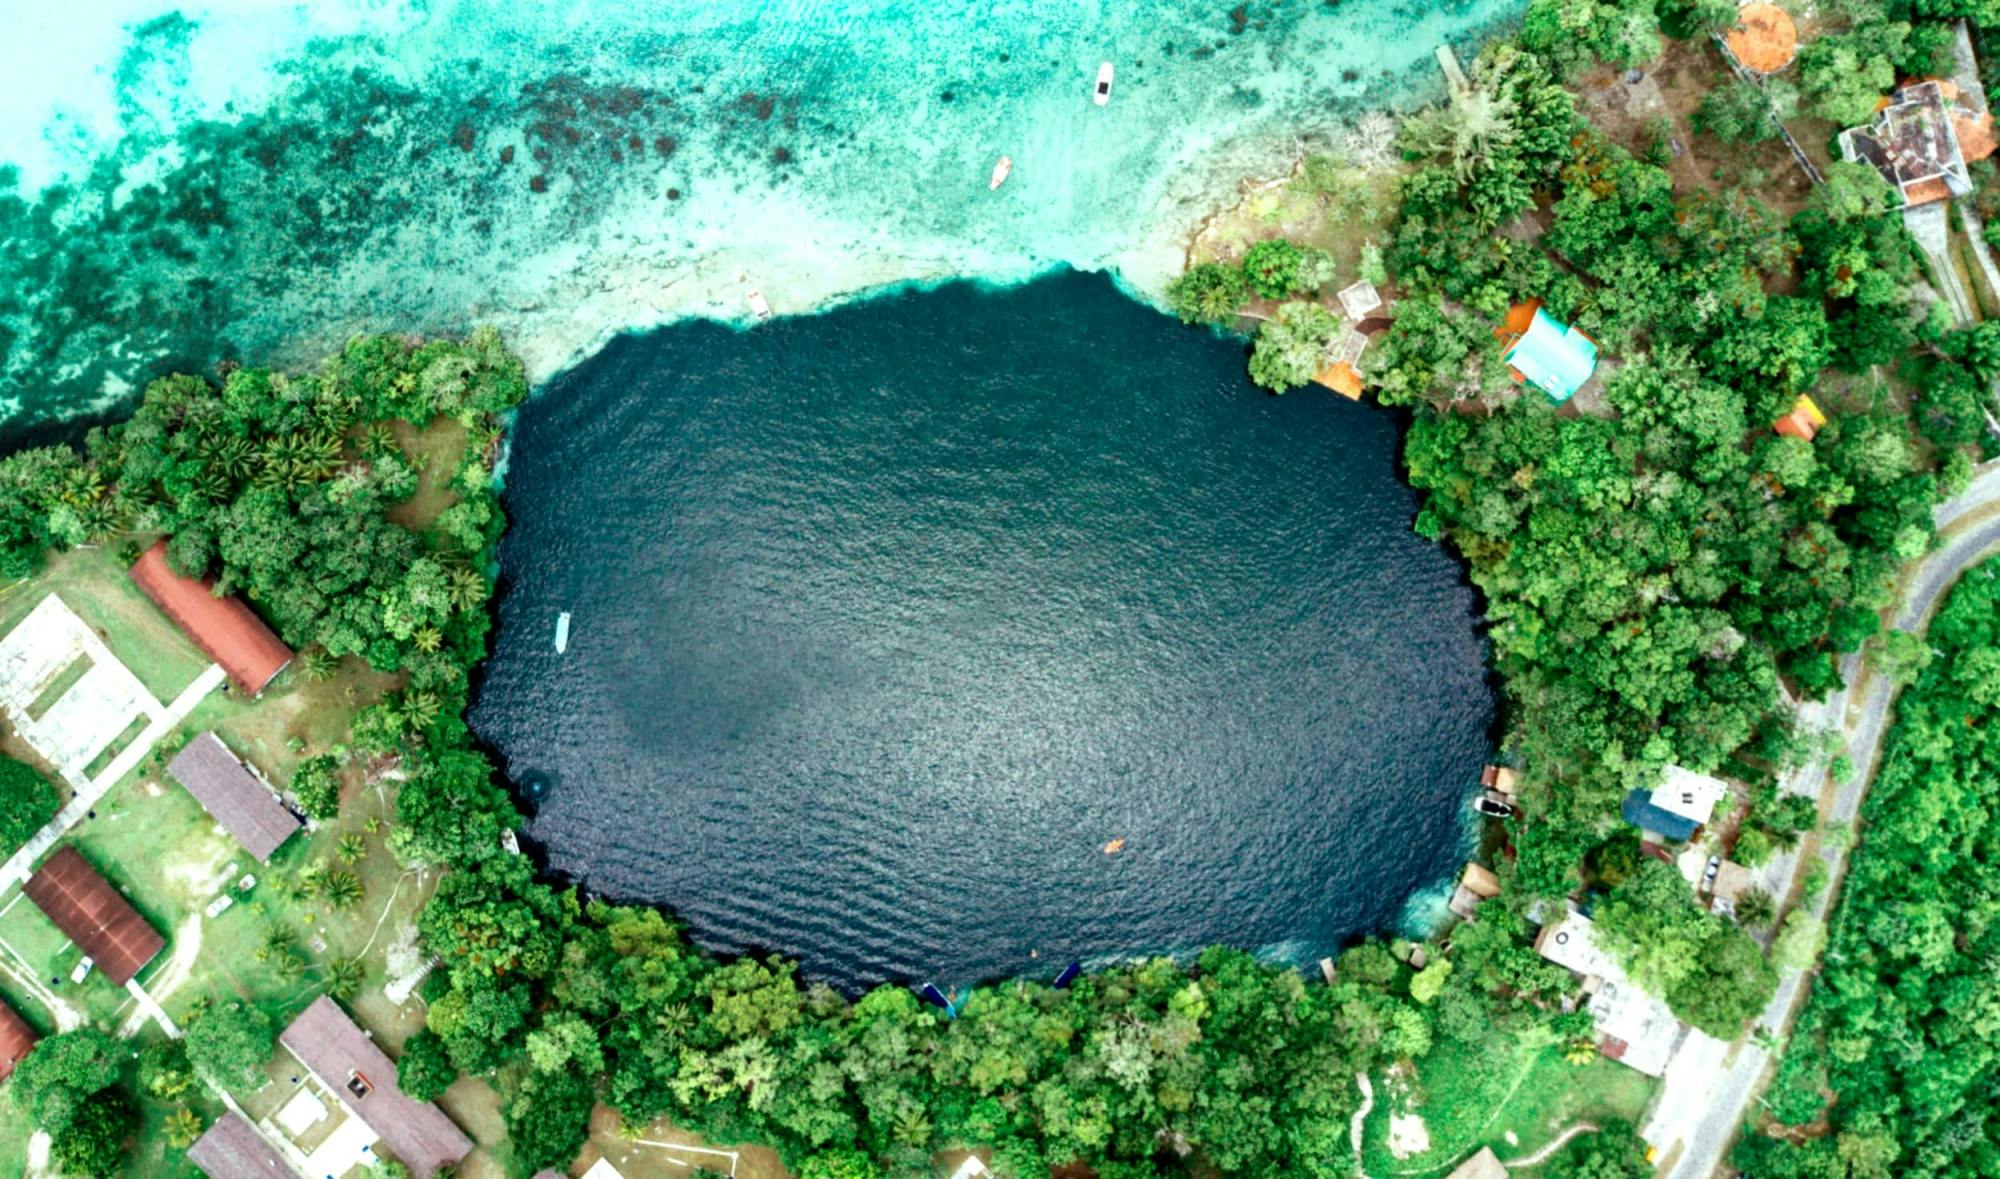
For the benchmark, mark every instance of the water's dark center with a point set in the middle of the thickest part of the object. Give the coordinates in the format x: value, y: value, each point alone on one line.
x: 887, y: 621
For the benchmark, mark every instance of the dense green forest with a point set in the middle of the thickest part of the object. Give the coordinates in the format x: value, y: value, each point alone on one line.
x: 1892, y: 1069
x: 1663, y: 571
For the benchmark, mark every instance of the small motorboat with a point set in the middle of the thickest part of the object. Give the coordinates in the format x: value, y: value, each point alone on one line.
x: 1103, y: 94
x: 759, y: 305
x: 1115, y: 846
x: 1493, y: 806
x: 562, y: 632
x: 1001, y: 171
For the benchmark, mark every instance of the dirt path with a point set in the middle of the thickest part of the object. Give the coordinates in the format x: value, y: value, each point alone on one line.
x: 1551, y: 1146
x: 1360, y: 1116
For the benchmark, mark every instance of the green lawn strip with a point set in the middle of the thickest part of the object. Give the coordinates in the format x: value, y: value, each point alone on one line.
x: 1473, y: 1096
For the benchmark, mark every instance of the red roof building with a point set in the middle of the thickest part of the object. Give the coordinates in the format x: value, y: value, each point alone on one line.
x: 225, y: 629
x: 89, y: 911
x: 16, y: 1037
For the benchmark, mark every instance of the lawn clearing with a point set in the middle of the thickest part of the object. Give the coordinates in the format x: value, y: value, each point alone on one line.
x: 1474, y: 1096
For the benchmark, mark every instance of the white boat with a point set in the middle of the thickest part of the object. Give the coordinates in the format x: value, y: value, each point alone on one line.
x: 759, y: 305
x: 562, y: 632
x: 1001, y: 171
x: 1103, y: 94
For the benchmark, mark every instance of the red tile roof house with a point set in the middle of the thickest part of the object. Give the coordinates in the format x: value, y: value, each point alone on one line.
x: 233, y: 1149
x: 233, y: 796
x: 343, y: 1058
x: 91, y: 913
x: 16, y: 1038
x: 226, y: 630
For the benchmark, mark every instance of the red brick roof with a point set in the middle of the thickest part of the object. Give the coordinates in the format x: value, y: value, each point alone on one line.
x: 16, y: 1037
x: 89, y: 911
x: 225, y: 629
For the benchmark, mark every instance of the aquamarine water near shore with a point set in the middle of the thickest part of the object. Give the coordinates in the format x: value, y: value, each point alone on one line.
x: 225, y: 179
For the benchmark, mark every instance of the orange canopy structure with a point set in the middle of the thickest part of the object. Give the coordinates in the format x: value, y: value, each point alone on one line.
x: 1765, y: 38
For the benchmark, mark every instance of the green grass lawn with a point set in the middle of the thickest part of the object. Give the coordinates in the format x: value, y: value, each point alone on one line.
x: 1509, y: 1084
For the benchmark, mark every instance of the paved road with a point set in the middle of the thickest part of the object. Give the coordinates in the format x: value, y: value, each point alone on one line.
x: 1701, y: 1109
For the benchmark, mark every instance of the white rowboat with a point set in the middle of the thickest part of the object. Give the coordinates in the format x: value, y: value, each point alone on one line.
x: 759, y: 305
x: 1001, y: 171
x: 562, y: 632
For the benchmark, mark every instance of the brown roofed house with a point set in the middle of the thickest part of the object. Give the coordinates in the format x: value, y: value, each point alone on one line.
x: 227, y: 790
x: 89, y: 911
x: 344, y: 1059
x: 16, y: 1037
x: 225, y: 629
x: 233, y: 1149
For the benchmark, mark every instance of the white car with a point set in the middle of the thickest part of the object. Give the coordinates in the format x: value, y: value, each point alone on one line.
x: 83, y: 969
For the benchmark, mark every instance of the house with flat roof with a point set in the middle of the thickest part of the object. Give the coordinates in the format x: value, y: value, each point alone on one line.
x: 226, y: 630
x: 1633, y: 1027
x: 233, y: 795
x: 90, y: 912
x: 233, y: 1149
x: 16, y: 1039
x: 346, y: 1060
x: 1544, y: 352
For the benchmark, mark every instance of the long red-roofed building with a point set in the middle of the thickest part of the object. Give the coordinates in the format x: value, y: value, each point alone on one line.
x: 226, y: 630
x: 89, y: 911
x: 16, y: 1037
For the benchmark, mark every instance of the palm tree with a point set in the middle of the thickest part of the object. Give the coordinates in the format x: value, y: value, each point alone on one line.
x: 230, y: 454
x: 427, y: 638
x: 1756, y: 909
x: 1581, y: 1050
x: 183, y: 1127
x: 1475, y: 124
x: 317, y: 664
x: 343, y: 890
x: 420, y: 708
x: 344, y: 977
x: 351, y: 848
x: 466, y: 588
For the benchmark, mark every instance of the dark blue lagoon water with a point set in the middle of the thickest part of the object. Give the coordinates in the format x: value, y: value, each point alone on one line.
x: 887, y: 620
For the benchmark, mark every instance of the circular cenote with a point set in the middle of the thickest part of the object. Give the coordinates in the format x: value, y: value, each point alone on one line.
x: 887, y: 622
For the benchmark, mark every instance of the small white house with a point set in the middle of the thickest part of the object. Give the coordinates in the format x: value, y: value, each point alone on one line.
x: 1690, y: 795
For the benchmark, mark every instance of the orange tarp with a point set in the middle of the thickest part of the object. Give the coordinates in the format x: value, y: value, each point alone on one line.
x: 1520, y: 317
x: 1975, y: 135
x: 1923, y: 192
x: 1341, y: 378
x: 1765, y: 39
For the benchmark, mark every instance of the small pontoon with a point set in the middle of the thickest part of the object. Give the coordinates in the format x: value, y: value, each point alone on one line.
x: 759, y: 305
x: 1103, y: 94
x: 562, y: 632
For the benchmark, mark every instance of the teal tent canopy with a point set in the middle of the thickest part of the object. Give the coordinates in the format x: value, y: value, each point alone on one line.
x: 1553, y: 357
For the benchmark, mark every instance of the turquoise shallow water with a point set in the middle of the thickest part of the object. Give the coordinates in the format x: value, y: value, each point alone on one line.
x: 886, y: 621
x: 237, y: 178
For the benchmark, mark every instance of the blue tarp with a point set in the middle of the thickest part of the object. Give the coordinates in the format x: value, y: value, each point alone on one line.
x: 1640, y: 812
x: 1553, y: 357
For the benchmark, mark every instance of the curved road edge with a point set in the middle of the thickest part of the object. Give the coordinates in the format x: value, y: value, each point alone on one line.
x: 1705, y: 1096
